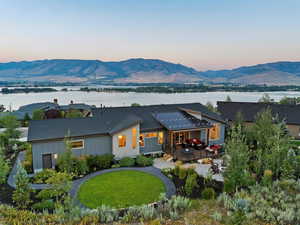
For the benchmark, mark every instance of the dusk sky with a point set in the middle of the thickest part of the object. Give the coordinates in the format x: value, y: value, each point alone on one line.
x: 204, y: 34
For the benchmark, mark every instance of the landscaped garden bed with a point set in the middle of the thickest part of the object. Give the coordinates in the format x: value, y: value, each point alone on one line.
x: 121, y: 189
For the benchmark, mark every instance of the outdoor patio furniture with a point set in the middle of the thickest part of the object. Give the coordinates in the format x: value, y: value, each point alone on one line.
x: 196, y: 143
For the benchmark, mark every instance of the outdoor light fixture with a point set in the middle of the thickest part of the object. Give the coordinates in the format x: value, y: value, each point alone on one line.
x: 55, y: 156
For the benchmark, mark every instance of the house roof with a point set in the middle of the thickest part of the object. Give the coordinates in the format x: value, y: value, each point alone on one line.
x: 77, y: 127
x: 109, y: 121
x: 289, y: 113
x: 145, y: 113
x: 78, y: 106
x: 29, y: 109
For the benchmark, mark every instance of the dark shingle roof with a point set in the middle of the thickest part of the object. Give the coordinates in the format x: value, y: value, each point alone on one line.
x: 146, y: 113
x: 76, y: 127
x: 249, y: 110
x: 109, y: 121
x: 78, y: 106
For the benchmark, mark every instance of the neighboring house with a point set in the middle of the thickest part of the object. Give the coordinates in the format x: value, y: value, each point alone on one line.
x: 124, y: 131
x: 288, y: 113
x: 51, y: 109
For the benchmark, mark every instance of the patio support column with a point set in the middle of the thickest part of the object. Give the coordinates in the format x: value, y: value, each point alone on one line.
x: 207, y: 136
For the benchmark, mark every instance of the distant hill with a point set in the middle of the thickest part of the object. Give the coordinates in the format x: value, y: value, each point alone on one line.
x: 278, y: 73
x: 132, y: 70
x: 145, y: 71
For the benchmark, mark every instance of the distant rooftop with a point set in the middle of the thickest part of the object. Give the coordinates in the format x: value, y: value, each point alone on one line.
x: 287, y: 112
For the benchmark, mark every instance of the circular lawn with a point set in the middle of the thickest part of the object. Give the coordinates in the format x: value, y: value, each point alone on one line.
x: 121, y: 189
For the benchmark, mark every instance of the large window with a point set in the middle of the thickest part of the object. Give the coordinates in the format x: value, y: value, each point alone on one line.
x: 77, y: 144
x: 122, y: 141
x: 214, y: 132
x: 142, y: 140
x: 133, y: 138
x: 160, y: 138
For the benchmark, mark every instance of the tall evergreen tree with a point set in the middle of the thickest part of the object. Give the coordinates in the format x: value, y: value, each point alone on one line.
x: 21, y: 196
x: 237, y: 173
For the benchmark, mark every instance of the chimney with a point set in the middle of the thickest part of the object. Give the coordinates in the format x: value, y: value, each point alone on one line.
x: 55, y: 101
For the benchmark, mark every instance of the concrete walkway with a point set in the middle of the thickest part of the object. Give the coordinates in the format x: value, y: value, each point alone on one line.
x: 201, y: 169
x: 11, y: 178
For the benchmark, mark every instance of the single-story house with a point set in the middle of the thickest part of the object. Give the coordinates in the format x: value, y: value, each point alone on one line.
x: 124, y: 131
x: 48, y: 107
x: 249, y: 110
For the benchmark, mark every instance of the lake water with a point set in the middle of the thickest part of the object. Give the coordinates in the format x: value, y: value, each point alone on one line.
x: 125, y: 99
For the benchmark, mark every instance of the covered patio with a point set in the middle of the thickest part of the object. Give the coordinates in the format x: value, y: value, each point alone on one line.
x: 187, y: 136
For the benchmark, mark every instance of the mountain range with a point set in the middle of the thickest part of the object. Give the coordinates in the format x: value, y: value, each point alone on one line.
x: 141, y: 70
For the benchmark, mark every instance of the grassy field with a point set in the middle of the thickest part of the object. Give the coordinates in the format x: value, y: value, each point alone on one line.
x: 120, y: 189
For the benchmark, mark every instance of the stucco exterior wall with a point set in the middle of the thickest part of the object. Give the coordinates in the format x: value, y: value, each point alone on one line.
x: 96, y: 145
x: 128, y: 150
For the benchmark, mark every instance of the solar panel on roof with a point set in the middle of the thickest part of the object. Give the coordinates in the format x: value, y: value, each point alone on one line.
x: 179, y: 121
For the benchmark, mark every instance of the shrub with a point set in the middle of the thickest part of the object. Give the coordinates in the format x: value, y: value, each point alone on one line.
x: 127, y: 162
x: 45, y: 204
x: 176, y: 170
x: 27, y: 163
x: 99, y: 162
x: 80, y: 166
x: 190, y: 184
x: 116, y: 166
x: 144, y: 161
x: 167, y: 171
x: 4, y: 168
x: 267, y: 178
x: 229, y: 186
x: 182, y: 173
x: 208, y: 193
x: 43, y: 176
x: 60, y: 185
x: 105, y: 161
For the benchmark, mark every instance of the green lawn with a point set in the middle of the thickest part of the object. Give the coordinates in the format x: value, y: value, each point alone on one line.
x: 120, y: 189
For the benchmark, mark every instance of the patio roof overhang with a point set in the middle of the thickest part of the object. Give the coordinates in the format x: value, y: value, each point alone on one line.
x: 180, y: 120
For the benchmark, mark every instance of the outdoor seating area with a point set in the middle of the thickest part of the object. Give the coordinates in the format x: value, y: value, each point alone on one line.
x: 194, y: 149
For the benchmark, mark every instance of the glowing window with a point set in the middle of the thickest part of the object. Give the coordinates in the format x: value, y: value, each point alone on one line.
x: 77, y: 144
x: 142, y: 141
x: 133, y: 138
x: 214, y: 132
x: 160, y: 138
x: 122, y: 141
x: 151, y: 135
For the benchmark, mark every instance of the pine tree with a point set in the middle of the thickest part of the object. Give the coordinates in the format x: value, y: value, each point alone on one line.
x: 237, y: 152
x: 65, y: 160
x: 21, y: 196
